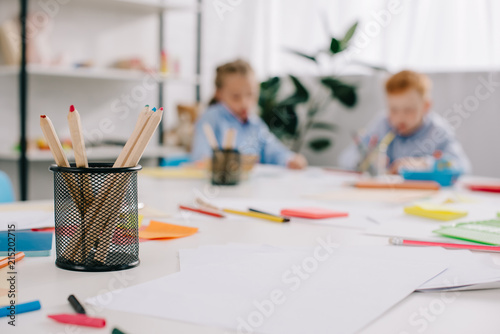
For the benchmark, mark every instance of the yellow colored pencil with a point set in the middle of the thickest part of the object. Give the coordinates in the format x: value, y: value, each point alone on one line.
x: 256, y: 215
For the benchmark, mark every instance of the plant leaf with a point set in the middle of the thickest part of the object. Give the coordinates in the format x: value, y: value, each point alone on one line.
x: 301, y: 94
x: 268, y: 92
x: 320, y: 144
x: 282, y: 121
x: 348, y: 35
x: 324, y: 126
x: 301, y: 54
x: 335, y: 46
x: 345, y: 93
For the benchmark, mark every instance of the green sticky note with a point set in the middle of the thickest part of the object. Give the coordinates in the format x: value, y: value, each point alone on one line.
x: 484, y: 232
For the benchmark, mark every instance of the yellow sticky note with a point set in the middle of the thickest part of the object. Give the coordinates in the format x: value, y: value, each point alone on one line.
x: 174, y: 173
x: 158, y: 230
x: 438, y: 212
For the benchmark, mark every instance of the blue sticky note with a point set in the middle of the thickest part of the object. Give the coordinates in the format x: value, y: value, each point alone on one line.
x: 31, y: 243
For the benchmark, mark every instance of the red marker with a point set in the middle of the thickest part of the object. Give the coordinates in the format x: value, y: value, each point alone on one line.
x: 202, y: 211
x: 71, y: 108
x: 403, y: 242
x: 79, y: 320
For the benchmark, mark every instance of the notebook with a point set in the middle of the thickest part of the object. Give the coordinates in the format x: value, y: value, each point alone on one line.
x: 484, y: 232
x: 31, y: 243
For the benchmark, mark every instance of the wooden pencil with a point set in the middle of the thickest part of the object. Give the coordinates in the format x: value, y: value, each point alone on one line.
x: 106, y: 236
x: 72, y: 184
x: 142, y: 120
x: 229, y: 139
x: 54, y: 144
x: 144, y: 138
x: 209, y: 133
x: 75, y: 129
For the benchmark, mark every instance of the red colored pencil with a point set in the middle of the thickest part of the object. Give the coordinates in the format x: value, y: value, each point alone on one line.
x: 202, y: 211
x: 483, y: 248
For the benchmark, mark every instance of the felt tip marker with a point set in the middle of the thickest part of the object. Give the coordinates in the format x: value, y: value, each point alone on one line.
x: 20, y: 308
x: 79, y: 320
x: 76, y: 305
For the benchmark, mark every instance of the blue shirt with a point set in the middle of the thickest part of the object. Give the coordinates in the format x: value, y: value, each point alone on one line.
x: 434, y: 134
x: 253, y: 137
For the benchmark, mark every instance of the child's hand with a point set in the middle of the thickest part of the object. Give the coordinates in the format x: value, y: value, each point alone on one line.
x: 298, y: 161
x: 413, y: 163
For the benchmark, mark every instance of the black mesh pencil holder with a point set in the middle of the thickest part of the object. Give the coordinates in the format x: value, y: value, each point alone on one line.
x: 96, y: 217
x: 226, y: 167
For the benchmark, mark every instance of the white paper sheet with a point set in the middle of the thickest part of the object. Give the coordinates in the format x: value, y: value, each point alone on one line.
x: 466, y: 270
x: 356, y: 219
x: 25, y: 220
x: 342, y: 293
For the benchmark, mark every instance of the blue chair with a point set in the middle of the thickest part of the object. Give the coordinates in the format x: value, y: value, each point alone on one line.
x: 6, y: 191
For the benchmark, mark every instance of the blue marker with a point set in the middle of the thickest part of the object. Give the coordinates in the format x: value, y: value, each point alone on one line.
x: 19, y: 308
x: 154, y: 109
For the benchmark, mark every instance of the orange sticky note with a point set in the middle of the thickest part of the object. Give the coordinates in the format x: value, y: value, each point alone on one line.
x: 158, y: 230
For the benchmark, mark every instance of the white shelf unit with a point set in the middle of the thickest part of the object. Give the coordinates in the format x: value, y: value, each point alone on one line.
x: 40, y: 73
x: 94, y: 154
x: 97, y: 73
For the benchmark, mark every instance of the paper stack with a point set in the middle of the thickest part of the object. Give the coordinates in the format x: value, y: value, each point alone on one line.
x: 266, y: 289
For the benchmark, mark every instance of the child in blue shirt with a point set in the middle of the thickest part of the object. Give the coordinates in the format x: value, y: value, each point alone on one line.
x: 418, y: 132
x: 237, y: 91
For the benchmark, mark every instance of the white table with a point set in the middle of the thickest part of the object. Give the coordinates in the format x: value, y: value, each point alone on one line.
x: 38, y: 278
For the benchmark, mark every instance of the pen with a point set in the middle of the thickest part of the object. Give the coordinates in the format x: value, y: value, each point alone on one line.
x: 403, y: 242
x: 5, y: 262
x: 256, y: 215
x: 285, y: 219
x: 20, y: 308
x: 78, y: 319
x: 202, y: 211
x: 76, y: 304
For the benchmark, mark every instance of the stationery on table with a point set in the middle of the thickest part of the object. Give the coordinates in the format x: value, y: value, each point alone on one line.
x: 313, y: 213
x: 286, y: 219
x: 26, y: 220
x: 32, y: 244
x: 174, y: 172
x: 202, y: 211
x: 21, y: 308
x: 79, y: 320
x: 348, y: 292
x: 158, y: 231
x: 438, y: 212
x: 76, y: 305
x: 406, y: 242
x: 485, y: 232
x: 99, y: 219
x: 258, y: 215
x: 416, y: 185
x: 466, y: 270
x: 6, y: 261
x: 491, y: 188
x: 209, y: 133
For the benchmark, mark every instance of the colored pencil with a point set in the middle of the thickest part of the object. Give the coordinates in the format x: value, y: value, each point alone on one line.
x: 75, y: 129
x: 202, y: 211
x: 209, y: 133
x: 404, y: 242
x: 5, y: 261
x: 54, y: 144
x: 144, y: 115
x: 255, y: 215
x: 229, y: 139
x: 285, y: 219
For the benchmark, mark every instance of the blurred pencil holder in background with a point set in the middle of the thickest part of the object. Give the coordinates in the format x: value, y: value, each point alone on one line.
x: 96, y: 217
x: 226, y: 167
